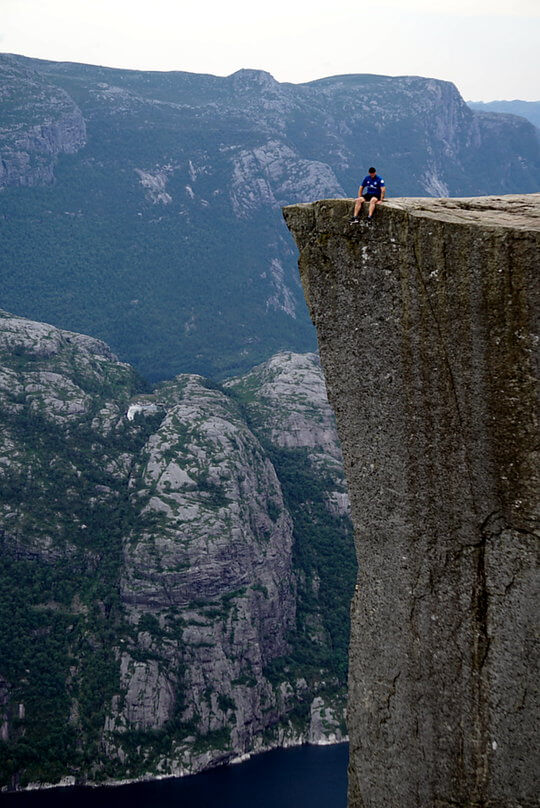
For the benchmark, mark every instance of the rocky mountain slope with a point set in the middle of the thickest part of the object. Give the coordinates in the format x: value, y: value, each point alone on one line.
x: 163, y: 606
x: 428, y: 331
x: 143, y: 208
x: 526, y: 109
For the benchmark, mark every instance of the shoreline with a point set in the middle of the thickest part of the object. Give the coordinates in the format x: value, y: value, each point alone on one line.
x: 70, y: 781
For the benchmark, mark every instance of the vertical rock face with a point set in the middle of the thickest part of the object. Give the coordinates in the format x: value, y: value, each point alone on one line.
x: 427, y: 333
x: 39, y: 122
x: 174, y: 566
x: 217, y: 547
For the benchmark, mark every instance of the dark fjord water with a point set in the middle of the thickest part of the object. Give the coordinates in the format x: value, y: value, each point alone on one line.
x: 311, y: 776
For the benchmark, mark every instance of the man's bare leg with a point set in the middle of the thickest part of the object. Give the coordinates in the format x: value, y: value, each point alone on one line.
x: 358, y: 206
x: 372, y: 203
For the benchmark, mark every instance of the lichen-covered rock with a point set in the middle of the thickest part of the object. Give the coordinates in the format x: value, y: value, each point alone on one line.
x: 146, y: 541
x: 287, y: 401
x: 219, y: 552
x: 326, y: 725
x: 428, y: 337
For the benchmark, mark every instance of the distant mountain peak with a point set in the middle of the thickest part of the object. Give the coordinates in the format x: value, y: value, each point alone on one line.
x: 249, y: 79
x: 530, y: 110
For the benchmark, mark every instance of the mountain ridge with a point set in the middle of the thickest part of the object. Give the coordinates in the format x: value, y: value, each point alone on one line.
x: 154, y: 222
x: 530, y: 110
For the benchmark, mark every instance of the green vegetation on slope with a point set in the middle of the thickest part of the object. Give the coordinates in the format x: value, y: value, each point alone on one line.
x: 72, y: 499
x: 162, y: 233
x: 161, y: 292
x: 60, y: 564
x: 325, y: 558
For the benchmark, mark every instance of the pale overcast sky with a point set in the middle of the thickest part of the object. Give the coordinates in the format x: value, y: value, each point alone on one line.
x: 489, y: 48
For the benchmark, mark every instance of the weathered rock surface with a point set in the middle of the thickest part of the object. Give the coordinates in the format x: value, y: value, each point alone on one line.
x: 219, y: 552
x: 286, y: 406
x: 287, y: 401
x: 146, y: 541
x: 428, y: 333
x: 39, y: 122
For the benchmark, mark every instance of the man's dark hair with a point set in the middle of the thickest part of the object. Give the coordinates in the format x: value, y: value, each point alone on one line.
x: 371, y: 170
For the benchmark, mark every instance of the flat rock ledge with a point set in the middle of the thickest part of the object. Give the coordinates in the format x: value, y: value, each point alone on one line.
x: 515, y: 211
x: 428, y: 333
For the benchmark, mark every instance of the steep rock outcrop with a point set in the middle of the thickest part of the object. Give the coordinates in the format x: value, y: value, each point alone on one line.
x: 218, y: 551
x: 157, y: 608
x: 39, y: 121
x: 428, y: 339
x: 287, y: 402
x: 288, y: 408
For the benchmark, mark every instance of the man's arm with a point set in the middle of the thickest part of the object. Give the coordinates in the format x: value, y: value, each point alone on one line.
x: 360, y: 191
x: 383, y: 191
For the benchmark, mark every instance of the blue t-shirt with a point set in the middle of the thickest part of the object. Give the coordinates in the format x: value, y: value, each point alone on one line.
x: 373, y: 185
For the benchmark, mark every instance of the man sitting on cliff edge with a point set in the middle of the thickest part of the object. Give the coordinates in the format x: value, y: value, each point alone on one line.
x: 375, y: 191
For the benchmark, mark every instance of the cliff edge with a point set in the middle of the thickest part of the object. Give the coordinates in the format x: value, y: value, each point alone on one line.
x: 427, y: 328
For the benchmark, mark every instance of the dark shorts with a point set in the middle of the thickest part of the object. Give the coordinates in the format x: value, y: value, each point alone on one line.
x: 367, y: 197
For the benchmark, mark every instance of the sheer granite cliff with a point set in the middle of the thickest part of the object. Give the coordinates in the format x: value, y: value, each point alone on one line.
x: 427, y: 333
x: 167, y: 563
